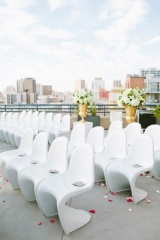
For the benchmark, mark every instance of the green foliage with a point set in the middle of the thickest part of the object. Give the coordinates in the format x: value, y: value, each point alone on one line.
x: 92, y: 110
x: 156, y: 112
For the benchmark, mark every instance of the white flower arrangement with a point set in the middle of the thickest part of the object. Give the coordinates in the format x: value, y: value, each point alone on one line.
x: 132, y: 97
x: 84, y: 96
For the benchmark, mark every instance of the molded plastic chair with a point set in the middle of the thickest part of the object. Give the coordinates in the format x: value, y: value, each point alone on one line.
x: 96, y: 138
x: 5, y: 125
x: 113, y: 127
x: 25, y: 148
x: 12, y: 125
x: 38, y: 155
x: 121, y: 175
x: 18, y: 133
x: 132, y: 130
x: 115, y: 149
x: 57, y: 161
x: 154, y: 132
x: 41, y: 118
x: 64, y: 129
x: 53, y: 193
x: 12, y: 130
x: 78, y: 137
x: 47, y: 122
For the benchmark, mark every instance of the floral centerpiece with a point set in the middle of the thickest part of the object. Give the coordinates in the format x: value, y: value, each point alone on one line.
x: 84, y: 98
x: 131, y: 98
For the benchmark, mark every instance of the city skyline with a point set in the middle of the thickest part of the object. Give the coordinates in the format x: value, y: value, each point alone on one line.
x: 58, y: 42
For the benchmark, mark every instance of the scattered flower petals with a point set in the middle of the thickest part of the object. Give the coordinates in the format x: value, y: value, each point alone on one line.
x: 149, y: 176
x: 105, y: 196
x: 113, y: 193
x: 148, y: 201
x: 97, y: 183
x: 129, y: 199
x: 7, y: 180
x: 130, y: 209
x: 157, y: 191
x: 92, y: 211
x: 109, y: 200
x: 52, y: 221
x: 39, y: 223
x: 106, y: 192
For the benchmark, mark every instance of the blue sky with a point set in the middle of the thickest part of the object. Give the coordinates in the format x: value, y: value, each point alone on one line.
x: 59, y: 41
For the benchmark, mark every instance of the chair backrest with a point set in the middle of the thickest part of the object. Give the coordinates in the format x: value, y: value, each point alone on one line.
x: 58, y: 154
x: 81, y: 167
x: 154, y: 132
x: 96, y: 138
x: 116, y: 145
x: 40, y: 147
x: 132, y: 130
x: 29, y: 113
x: 14, y: 119
x: 115, y: 116
x: 115, y: 126
x: 78, y: 135
x: 34, y: 124
x: 56, y: 122
x: 26, y: 142
x: 65, y: 123
x: 2, y: 118
x: 8, y: 118
x: 141, y: 151
x: 20, y: 120
x: 27, y: 121
x: 35, y: 114
x: 41, y: 118
x: 48, y: 119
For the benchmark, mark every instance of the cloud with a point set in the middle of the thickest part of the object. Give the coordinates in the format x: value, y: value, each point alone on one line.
x: 55, y: 4
x: 123, y: 16
x: 153, y: 40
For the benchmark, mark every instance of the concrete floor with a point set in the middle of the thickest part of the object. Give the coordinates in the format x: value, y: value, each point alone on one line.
x: 112, y: 220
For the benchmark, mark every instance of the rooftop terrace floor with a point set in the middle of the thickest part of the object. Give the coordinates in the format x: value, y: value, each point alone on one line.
x: 112, y: 219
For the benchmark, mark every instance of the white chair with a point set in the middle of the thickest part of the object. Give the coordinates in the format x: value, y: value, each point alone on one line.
x: 64, y: 129
x: 24, y: 149
x: 13, y: 124
x: 121, y: 175
x: 113, y: 127
x: 38, y: 155
x: 5, y: 124
x: 115, y: 149
x: 115, y: 116
x: 12, y: 130
x: 96, y: 138
x: 53, y: 193
x: 19, y: 132
x: 2, y: 120
x: 132, y: 131
x: 41, y: 118
x: 47, y: 122
x: 57, y: 162
x: 154, y: 132
x: 78, y: 137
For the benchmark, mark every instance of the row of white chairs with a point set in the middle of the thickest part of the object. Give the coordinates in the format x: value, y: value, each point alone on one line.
x: 12, y: 125
x: 114, y: 161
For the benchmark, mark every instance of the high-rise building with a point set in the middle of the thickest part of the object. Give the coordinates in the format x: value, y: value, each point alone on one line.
x: 98, y: 84
x: 20, y: 86
x: 30, y: 85
x: 134, y: 81
x: 47, y: 90
x: 79, y: 84
x: 145, y: 71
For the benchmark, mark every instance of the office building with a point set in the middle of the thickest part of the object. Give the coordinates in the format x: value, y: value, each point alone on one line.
x: 79, y: 84
x: 154, y: 71
x: 29, y: 85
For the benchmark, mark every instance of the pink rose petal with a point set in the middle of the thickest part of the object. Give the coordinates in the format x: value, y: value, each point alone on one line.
x: 39, y: 223
x: 52, y: 221
x: 148, y: 201
x: 92, y: 211
x: 129, y: 199
x: 113, y: 193
x: 109, y: 200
